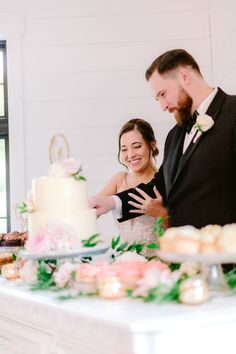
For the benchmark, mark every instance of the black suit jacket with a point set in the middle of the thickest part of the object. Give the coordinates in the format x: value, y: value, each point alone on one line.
x: 203, y: 190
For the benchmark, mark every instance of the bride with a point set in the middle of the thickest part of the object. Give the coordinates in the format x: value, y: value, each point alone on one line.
x: 137, y: 152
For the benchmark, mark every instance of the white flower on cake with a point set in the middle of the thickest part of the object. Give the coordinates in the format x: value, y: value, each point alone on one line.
x: 203, y: 123
x: 66, y: 168
x: 55, y: 236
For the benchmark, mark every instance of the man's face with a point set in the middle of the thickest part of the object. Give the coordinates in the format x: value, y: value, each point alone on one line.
x: 171, y: 96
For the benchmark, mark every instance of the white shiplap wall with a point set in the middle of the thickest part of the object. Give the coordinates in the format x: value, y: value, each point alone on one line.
x: 223, y: 39
x: 83, y: 65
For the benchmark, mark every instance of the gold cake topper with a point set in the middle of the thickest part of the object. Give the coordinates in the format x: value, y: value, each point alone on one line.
x: 20, y: 217
x: 59, y: 148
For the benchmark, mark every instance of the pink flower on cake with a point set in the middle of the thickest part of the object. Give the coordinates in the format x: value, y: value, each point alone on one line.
x: 65, y: 168
x: 71, y: 166
x: 54, y: 236
x: 39, y: 243
x: 61, y: 235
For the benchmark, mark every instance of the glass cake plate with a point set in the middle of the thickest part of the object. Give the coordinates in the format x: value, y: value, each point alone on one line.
x: 215, y: 278
x: 205, y: 258
x: 80, y: 252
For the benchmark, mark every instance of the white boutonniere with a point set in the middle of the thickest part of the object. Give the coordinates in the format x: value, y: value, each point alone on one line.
x: 203, y: 123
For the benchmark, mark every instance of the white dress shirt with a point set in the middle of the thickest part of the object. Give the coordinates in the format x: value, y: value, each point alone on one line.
x: 201, y: 110
x: 117, y: 211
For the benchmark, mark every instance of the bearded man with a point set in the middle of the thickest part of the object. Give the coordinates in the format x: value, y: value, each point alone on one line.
x: 196, y: 183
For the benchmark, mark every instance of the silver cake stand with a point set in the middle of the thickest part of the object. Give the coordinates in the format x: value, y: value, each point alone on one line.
x: 215, y: 277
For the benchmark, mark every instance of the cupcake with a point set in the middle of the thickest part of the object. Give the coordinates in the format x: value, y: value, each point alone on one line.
x: 187, y: 240
x: 209, y: 236
x: 167, y: 240
x: 227, y: 239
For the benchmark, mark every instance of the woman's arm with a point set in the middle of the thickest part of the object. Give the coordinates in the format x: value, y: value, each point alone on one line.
x: 112, y: 185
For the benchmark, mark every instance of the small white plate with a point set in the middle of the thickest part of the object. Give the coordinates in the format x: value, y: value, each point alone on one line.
x: 206, y: 258
x: 82, y: 252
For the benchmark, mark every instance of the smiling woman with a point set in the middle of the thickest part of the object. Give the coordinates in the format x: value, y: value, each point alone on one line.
x: 137, y: 152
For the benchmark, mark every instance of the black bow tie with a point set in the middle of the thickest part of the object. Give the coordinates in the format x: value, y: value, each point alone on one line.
x: 190, y: 123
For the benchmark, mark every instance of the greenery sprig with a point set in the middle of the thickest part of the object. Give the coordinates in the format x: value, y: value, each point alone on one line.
x: 78, y: 177
x: 231, y: 278
x: 92, y: 241
x: 159, y: 228
x: 22, y: 208
x: 160, y: 294
x: 120, y: 248
x: 45, y: 272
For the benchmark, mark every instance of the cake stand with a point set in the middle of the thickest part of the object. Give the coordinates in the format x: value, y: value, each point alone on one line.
x: 215, y: 277
x: 73, y: 253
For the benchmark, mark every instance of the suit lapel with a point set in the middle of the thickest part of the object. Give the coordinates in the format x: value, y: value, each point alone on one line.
x: 213, y: 111
x: 171, y: 164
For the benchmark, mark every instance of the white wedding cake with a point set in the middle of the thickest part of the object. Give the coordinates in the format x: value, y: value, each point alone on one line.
x: 58, y: 213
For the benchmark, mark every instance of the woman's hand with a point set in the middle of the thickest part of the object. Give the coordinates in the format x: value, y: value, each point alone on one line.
x: 102, y: 204
x: 147, y: 205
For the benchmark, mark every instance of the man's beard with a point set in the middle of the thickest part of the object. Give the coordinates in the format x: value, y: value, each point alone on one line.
x: 183, y: 112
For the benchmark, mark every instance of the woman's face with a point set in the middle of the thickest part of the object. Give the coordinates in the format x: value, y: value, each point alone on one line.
x: 134, y: 153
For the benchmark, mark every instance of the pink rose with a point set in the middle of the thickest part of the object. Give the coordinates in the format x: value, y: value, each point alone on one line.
x: 61, y: 235
x: 71, y: 166
x: 28, y: 272
x: 63, y: 276
x: 39, y: 243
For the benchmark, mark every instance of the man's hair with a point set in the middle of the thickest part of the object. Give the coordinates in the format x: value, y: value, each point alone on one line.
x: 171, y: 60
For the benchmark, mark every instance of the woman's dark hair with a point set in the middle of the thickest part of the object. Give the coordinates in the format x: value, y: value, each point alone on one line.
x: 144, y: 129
x: 170, y: 60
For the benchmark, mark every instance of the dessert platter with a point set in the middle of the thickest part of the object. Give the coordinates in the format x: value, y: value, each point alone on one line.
x: 211, y: 246
x: 205, y: 258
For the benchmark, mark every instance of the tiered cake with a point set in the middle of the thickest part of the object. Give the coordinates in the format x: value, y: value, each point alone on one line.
x: 64, y: 200
x: 58, y: 213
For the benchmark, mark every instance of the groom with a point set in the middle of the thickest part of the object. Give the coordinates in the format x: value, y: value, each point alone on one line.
x: 196, y: 184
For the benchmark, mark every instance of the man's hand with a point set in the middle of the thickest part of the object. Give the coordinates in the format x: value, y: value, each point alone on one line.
x: 102, y: 204
x: 148, y: 205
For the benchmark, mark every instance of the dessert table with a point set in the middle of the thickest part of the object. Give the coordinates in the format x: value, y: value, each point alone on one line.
x: 39, y: 323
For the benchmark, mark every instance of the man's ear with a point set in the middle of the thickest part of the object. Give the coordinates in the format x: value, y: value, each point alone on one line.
x: 184, y: 76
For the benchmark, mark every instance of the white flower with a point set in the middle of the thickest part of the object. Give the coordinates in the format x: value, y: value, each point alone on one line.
x: 203, y: 123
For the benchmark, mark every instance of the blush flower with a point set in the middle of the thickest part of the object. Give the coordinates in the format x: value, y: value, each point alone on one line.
x: 65, y: 168
x: 28, y: 272
x: 63, y: 276
x: 40, y: 243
